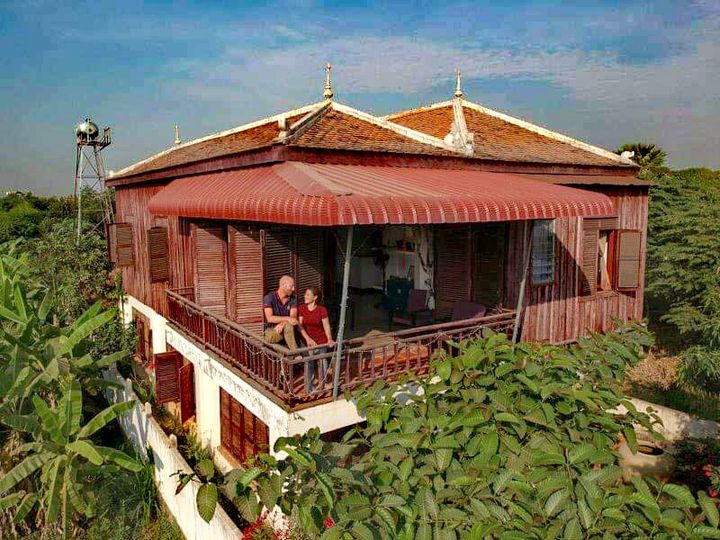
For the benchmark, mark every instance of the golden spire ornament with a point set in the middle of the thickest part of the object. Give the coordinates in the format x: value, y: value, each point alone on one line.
x: 328, y: 93
x: 458, y: 89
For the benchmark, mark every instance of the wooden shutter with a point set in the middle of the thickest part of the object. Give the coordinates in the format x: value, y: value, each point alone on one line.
x: 210, y: 268
x: 628, y: 260
x: 452, y: 268
x: 608, y: 224
x: 124, y: 244
x: 187, y: 393
x: 167, y: 379
x: 241, y: 432
x: 157, y: 240
x: 589, y: 265
x: 112, y: 242
x: 246, y: 250
x: 309, y: 248
x: 488, y: 259
x: 277, y: 259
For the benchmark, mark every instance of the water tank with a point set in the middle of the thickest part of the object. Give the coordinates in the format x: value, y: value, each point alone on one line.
x: 87, y: 131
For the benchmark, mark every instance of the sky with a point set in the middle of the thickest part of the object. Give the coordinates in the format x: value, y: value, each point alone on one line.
x: 604, y: 72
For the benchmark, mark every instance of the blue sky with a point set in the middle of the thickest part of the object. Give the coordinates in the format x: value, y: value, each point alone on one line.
x: 604, y: 72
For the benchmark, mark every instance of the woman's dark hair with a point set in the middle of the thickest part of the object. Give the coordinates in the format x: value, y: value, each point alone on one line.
x: 315, y: 291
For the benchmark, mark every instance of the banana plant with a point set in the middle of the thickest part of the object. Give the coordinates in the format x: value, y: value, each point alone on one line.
x: 61, y: 463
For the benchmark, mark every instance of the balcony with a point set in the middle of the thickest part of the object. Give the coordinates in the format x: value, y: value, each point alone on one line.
x: 294, y: 381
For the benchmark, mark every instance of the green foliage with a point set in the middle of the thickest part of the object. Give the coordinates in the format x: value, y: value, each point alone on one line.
x: 647, y: 155
x: 68, y: 461
x: 683, y: 276
x: 207, y: 496
x: 500, y: 441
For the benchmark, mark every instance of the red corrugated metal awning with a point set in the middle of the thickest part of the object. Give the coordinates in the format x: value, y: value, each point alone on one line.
x: 318, y: 194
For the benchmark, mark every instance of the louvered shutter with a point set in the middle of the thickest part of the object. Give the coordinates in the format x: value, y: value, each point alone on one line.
x: 452, y: 269
x: 210, y: 268
x: 124, y: 244
x: 157, y: 241
x: 112, y: 242
x: 225, y: 422
x: 187, y: 393
x: 628, y: 260
x: 608, y: 224
x: 246, y: 249
x: 488, y: 258
x: 167, y: 378
x: 236, y: 424
x: 277, y: 258
x: 589, y: 267
x: 309, y: 248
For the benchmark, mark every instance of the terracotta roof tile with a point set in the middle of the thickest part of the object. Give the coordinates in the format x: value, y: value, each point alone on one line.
x: 498, y: 139
x: 340, y: 131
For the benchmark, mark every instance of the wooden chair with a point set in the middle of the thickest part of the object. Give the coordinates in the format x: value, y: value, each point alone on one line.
x: 416, y: 311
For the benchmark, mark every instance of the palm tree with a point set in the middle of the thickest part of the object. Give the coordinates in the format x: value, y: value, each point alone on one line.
x: 647, y: 155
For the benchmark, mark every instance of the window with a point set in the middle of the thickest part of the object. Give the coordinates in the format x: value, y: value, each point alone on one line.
x: 241, y: 432
x: 543, y: 252
x: 604, y: 278
x: 610, y: 257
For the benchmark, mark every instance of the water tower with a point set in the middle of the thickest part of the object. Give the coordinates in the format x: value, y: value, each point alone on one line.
x: 90, y: 169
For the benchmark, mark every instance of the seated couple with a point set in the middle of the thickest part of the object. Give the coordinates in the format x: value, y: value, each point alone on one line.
x: 282, y: 315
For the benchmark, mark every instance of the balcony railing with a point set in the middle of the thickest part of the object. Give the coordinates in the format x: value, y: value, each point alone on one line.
x: 298, y: 377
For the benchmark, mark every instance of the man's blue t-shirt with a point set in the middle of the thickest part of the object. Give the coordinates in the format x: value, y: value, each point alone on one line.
x: 272, y: 300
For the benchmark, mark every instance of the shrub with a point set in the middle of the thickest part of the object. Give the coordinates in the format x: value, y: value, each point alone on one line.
x: 500, y: 440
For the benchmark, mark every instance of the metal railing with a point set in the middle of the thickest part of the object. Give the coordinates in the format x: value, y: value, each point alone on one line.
x: 305, y: 375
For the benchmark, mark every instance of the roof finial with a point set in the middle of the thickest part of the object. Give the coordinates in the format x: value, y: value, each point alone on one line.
x: 328, y: 93
x: 177, y: 134
x: 458, y: 89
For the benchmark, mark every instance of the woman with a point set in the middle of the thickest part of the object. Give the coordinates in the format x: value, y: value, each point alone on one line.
x: 314, y: 326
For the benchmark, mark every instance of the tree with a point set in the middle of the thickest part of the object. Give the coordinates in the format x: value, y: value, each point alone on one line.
x: 647, y: 155
x: 67, y: 459
x: 499, y: 441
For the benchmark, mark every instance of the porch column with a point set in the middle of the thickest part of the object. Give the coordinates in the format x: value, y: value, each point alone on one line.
x: 343, y: 311
x: 523, y: 282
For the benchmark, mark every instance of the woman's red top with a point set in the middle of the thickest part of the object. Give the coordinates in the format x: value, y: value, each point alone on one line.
x: 312, y: 322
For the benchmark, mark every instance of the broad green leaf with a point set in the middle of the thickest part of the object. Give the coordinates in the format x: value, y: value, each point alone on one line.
x: 86, y: 450
x: 83, y: 330
x: 361, y: 531
x: 709, y: 508
x: 631, y: 439
x: 27, y: 424
x: 580, y: 453
x: 680, y: 493
x: 11, y: 500
x: 443, y: 457
x: 9, y: 314
x: 332, y: 533
x: 391, y: 501
x: 707, y: 532
x: 206, y: 469
x: 120, y: 458
x: 54, y: 483
x: 22, y: 470
x: 444, y: 369
x: 24, y: 507
x: 110, y: 359
x: 424, y: 532
x: 49, y: 419
x: 555, y: 502
x: 104, y: 417
x: 249, y: 475
x: 207, y: 498
x: 70, y: 408
x: 572, y: 530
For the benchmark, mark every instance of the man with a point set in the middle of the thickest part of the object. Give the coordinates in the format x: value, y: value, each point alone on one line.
x: 280, y: 310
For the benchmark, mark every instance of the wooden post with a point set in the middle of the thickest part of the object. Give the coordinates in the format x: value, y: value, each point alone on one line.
x: 523, y: 282
x: 343, y: 312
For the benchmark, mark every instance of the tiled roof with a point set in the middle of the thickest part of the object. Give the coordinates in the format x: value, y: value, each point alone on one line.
x: 502, y: 138
x: 342, y: 131
x: 332, y: 126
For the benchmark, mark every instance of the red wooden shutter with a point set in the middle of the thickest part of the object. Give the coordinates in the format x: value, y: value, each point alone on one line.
x: 187, y: 393
x: 309, y: 260
x: 608, y: 224
x: 140, y: 332
x: 225, y: 425
x: 628, y: 260
x: 246, y: 250
x: 157, y: 240
x: 589, y: 266
x: 277, y: 258
x: 112, y: 242
x: 210, y: 268
x: 488, y: 259
x: 452, y: 268
x: 124, y: 244
x: 167, y: 379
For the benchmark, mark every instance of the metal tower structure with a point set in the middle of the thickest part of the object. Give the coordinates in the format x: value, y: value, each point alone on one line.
x: 90, y: 169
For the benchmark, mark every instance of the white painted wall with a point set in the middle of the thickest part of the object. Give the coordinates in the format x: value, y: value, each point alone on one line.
x: 142, y: 429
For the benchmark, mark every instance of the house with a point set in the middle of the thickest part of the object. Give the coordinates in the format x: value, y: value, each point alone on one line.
x: 481, y: 219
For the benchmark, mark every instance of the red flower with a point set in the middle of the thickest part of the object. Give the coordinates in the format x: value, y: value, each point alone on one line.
x: 328, y: 522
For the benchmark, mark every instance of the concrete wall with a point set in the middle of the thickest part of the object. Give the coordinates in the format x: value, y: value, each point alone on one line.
x: 142, y: 429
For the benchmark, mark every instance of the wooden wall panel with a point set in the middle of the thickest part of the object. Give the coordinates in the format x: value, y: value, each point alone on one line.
x: 210, y: 273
